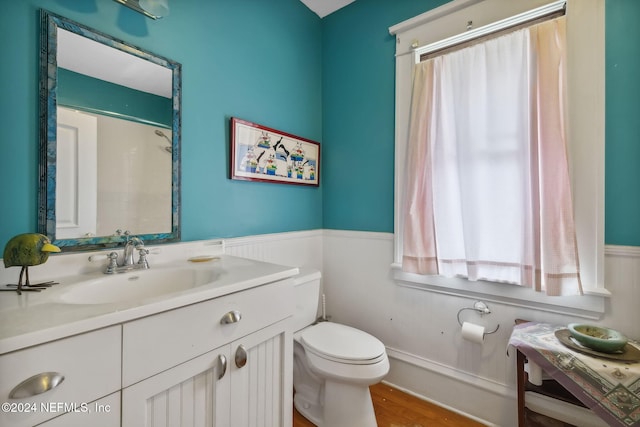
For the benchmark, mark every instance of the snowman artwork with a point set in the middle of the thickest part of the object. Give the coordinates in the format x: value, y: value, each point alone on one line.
x: 271, y: 164
x: 297, y: 157
x: 264, y: 141
x: 249, y: 163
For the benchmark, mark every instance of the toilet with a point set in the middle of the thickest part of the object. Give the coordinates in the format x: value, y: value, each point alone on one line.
x: 334, y: 364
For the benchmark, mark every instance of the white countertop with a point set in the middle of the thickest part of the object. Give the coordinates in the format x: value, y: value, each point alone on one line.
x: 37, y: 317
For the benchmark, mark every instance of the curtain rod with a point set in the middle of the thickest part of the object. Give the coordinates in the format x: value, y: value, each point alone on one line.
x: 490, y: 28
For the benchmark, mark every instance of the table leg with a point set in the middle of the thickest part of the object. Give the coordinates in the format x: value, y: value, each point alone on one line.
x: 521, y: 378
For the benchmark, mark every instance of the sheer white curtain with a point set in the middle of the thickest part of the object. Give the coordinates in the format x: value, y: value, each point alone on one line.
x: 488, y: 189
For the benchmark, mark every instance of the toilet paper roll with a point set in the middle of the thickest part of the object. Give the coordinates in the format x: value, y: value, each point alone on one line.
x: 472, y: 332
x: 534, y: 372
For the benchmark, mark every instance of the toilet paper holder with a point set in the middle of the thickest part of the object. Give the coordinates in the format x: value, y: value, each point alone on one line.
x: 480, y: 308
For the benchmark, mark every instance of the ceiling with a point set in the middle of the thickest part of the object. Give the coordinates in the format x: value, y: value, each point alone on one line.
x: 323, y: 8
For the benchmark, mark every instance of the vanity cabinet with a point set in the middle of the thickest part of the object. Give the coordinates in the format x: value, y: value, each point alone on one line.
x: 245, y: 383
x: 70, y: 374
x: 199, y: 359
x: 222, y: 362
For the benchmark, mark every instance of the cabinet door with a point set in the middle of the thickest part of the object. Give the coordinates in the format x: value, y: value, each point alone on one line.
x: 194, y: 393
x: 261, y: 378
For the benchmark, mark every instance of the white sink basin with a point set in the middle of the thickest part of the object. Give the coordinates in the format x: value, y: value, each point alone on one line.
x: 136, y: 285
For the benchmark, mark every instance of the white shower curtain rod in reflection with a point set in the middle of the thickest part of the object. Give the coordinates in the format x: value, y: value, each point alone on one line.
x: 494, y: 27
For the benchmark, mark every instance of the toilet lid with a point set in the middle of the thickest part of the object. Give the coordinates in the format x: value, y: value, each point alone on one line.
x: 341, y: 342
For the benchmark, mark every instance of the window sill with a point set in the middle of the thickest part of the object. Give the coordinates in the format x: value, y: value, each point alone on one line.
x: 590, y: 306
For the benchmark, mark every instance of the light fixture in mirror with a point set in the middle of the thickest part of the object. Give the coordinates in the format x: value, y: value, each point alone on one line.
x: 153, y: 9
x: 156, y: 7
x: 109, y: 139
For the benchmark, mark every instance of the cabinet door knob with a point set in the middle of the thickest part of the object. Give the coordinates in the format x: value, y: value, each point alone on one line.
x: 231, y: 317
x: 36, y: 384
x: 222, y: 365
x: 241, y: 356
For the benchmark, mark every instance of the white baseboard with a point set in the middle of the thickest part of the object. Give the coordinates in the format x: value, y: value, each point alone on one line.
x: 491, y: 403
x: 477, y: 382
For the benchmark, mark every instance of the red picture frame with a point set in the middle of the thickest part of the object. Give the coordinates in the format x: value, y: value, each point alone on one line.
x: 260, y: 153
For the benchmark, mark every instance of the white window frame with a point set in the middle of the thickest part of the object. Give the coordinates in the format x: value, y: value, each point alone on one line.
x: 586, y: 136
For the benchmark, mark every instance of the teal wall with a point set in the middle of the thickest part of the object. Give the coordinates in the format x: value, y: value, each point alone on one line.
x: 358, y: 111
x: 622, y: 158
x: 276, y: 63
x: 254, y: 59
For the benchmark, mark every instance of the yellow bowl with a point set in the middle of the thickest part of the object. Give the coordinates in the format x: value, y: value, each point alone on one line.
x: 598, y: 338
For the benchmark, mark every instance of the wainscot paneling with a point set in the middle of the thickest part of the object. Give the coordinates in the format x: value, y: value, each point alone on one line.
x: 298, y: 248
x: 428, y: 355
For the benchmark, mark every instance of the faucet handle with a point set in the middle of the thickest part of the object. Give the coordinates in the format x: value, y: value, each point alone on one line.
x: 123, y: 233
x: 142, y: 253
x: 97, y: 257
x: 111, y: 256
x: 113, y: 263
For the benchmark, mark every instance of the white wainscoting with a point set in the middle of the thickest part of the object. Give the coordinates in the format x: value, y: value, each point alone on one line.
x: 298, y: 249
x: 421, y: 332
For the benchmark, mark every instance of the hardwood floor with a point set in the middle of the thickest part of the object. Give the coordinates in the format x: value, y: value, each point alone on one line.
x: 395, y: 408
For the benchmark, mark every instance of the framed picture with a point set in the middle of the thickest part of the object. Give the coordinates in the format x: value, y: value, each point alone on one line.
x: 259, y: 153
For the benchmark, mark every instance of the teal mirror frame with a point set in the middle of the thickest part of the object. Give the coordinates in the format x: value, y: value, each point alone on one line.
x: 49, y: 24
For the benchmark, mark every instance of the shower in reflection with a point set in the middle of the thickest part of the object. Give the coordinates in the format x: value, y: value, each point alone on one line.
x: 168, y: 149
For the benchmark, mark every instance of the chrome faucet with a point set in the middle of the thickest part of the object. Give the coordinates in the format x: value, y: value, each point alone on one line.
x: 127, y: 263
x: 133, y: 243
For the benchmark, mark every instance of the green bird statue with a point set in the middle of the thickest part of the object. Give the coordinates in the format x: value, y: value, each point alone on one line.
x: 25, y: 250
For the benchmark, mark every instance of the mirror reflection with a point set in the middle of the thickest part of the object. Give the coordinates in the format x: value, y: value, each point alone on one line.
x: 110, y: 153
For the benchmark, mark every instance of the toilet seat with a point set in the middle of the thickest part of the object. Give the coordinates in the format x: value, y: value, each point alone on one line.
x: 342, y: 344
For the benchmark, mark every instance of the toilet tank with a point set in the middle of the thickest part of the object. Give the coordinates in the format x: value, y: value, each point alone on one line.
x: 307, y: 296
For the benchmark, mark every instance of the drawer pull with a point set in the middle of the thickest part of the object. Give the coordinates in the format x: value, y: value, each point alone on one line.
x: 222, y: 365
x: 37, y: 384
x: 241, y: 356
x: 231, y: 317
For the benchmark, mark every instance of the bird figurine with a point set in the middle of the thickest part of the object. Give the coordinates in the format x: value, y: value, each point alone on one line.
x: 26, y: 250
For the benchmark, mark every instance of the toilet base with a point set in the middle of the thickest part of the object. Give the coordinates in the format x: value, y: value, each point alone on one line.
x: 345, y: 405
x: 310, y: 410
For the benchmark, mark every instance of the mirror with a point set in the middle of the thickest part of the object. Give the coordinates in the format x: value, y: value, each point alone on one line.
x: 109, y: 139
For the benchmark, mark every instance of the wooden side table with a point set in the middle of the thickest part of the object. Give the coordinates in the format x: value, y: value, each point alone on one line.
x: 580, y: 383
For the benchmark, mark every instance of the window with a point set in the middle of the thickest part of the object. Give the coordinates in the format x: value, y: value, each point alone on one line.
x: 585, y: 135
x: 488, y: 195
